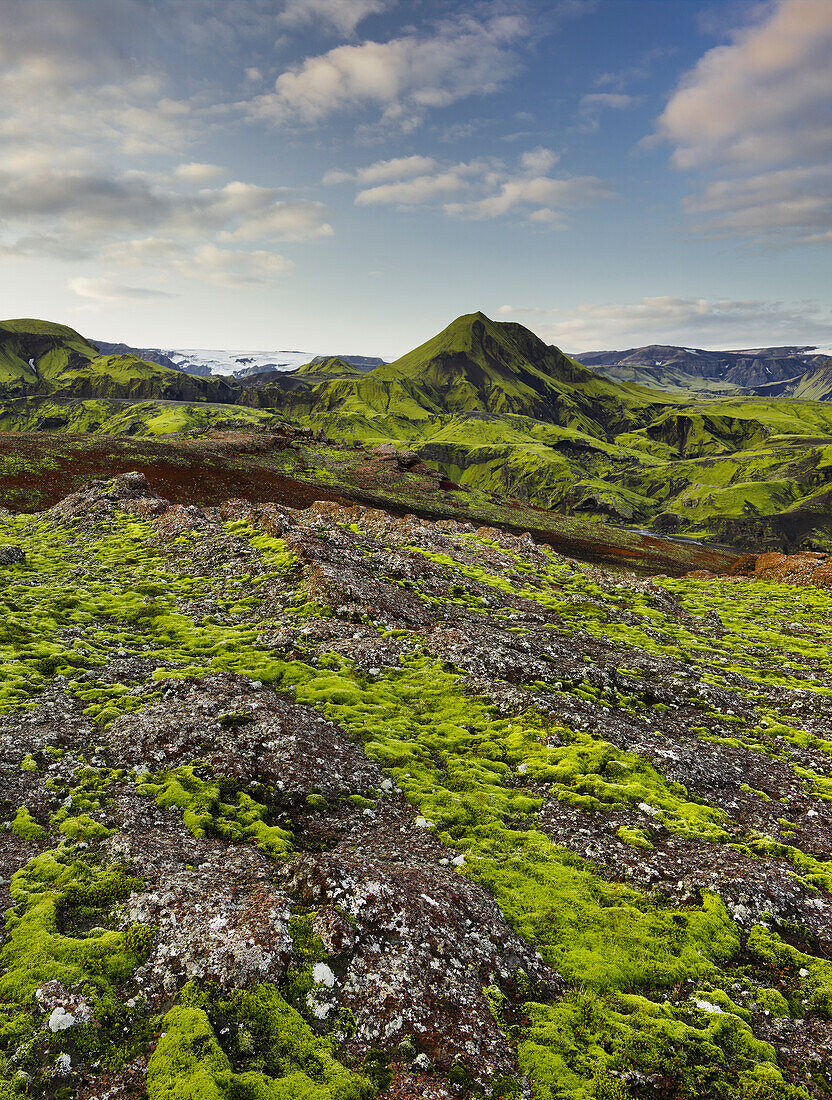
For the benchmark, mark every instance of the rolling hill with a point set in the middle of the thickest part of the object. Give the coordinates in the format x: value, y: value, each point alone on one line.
x: 38, y: 359
x: 494, y: 410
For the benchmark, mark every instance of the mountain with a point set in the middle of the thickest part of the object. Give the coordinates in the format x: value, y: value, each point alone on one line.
x: 38, y: 358
x: 816, y: 385
x: 474, y: 366
x: 152, y: 355
x: 693, y: 370
x: 494, y: 411
x: 362, y: 362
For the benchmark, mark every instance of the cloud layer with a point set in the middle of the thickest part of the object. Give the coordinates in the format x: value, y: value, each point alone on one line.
x: 85, y: 107
x: 480, y: 189
x: 758, y: 113
x: 688, y: 322
x: 399, y: 80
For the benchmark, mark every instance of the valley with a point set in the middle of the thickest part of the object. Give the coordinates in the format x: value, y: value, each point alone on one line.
x: 490, y: 408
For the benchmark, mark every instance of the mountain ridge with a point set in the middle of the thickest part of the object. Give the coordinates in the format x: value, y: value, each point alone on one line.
x: 494, y: 410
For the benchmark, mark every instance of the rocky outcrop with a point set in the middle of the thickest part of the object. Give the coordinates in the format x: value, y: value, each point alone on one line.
x: 333, y: 803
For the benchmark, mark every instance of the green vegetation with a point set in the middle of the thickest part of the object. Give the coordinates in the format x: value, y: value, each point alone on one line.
x: 490, y: 406
x: 291, y: 1063
x: 478, y: 779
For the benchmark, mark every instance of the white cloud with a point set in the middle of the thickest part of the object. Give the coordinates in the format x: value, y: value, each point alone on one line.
x: 758, y: 114
x: 103, y: 290
x: 680, y: 321
x: 401, y: 79
x: 137, y: 219
x: 142, y: 251
x: 782, y: 203
x: 486, y: 188
x: 83, y: 98
x: 233, y: 269
x: 198, y: 173
x: 591, y: 107
x: 539, y: 161
x: 340, y: 15
x: 385, y: 171
x: 764, y: 99
x: 280, y: 220
x: 540, y: 193
x: 413, y: 192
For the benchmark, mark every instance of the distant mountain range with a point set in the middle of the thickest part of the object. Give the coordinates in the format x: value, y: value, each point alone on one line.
x: 495, y: 411
x: 238, y: 364
x: 800, y: 371
x: 793, y: 371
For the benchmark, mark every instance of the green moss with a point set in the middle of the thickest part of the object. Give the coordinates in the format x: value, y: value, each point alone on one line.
x: 205, y: 812
x: 278, y: 1056
x: 814, y: 981
x: 36, y: 951
x: 636, y: 838
x: 25, y: 826
x: 480, y: 779
x: 573, y: 1049
x: 84, y: 828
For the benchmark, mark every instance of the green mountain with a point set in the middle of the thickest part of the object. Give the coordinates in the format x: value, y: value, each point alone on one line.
x: 475, y: 365
x: 499, y: 411
x: 817, y: 384
x: 38, y: 358
x: 493, y: 409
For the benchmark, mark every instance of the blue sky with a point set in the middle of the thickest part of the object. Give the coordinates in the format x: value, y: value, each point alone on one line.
x: 349, y: 175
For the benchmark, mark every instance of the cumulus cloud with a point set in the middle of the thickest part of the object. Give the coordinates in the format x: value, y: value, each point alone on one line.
x: 339, y: 15
x: 680, y: 321
x: 401, y: 79
x: 143, y: 251
x: 233, y: 269
x: 478, y: 189
x: 764, y: 99
x: 758, y: 114
x: 91, y: 208
x: 65, y: 82
x: 103, y: 290
x: 385, y: 171
x: 84, y: 104
x: 593, y: 105
x: 198, y: 173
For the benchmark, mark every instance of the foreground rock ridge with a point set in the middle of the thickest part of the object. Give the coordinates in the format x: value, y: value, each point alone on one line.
x: 329, y: 803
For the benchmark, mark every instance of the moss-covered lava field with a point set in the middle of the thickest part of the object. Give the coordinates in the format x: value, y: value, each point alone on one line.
x: 330, y: 803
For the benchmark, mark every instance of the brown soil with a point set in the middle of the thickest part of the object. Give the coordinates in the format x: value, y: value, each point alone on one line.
x: 38, y: 469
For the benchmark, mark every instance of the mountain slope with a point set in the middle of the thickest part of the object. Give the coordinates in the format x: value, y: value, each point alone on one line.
x: 694, y: 370
x: 475, y: 365
x: 38, y: 358
x: 494, y: 410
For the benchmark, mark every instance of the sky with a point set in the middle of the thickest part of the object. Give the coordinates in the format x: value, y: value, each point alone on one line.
x: 347, y: 176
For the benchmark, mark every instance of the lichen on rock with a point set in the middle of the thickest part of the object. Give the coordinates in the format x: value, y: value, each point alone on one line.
x: 329, y: 803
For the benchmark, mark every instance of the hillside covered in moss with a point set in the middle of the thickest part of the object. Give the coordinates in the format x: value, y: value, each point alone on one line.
x: 490, y: 408
x: 330, y: 804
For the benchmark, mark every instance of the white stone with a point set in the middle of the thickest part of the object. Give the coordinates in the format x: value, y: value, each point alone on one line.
x: 706, y: 1006
x: 322, y: 975
x: 60, y: 1020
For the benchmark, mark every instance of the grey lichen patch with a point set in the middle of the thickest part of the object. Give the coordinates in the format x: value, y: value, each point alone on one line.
x: 332, y: 801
